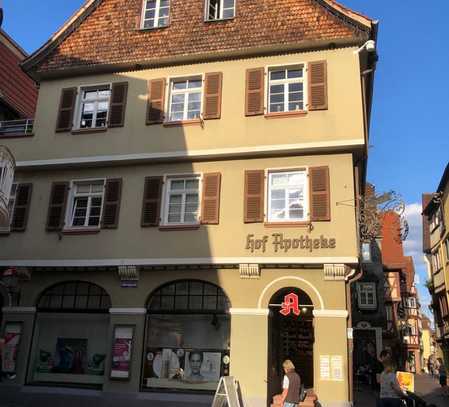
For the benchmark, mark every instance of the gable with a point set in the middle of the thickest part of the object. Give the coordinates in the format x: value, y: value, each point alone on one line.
x: 106, y: 33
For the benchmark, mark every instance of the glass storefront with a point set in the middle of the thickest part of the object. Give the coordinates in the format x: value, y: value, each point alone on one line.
x: 187, y: 337
x: 70, y: 341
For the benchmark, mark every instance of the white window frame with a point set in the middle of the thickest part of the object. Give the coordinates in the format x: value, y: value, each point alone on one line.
x: 168, y: 105
x: 303, y: 80
x: 12, y: 201
x: 446, y: 245
x: 219, y: 15
x: 366, y: 287
x: 156, y: 15
x: 268, y: 173
x: 80, y: 101
x: 436, y: 261
x: 71, y: 199
x: 166, y: 198
x: 411, y: 303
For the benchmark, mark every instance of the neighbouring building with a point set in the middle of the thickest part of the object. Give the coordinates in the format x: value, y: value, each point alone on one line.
x: 193, y: 187
x: 402, y: 332
x: 428, y: 345
x: 436, y: 252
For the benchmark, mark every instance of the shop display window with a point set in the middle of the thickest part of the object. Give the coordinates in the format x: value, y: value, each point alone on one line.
x: 69, y: 344
x: 188, y: 337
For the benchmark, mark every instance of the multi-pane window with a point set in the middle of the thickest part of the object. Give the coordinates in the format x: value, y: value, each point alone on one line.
x: 185, y: 99
x: 87, y: 202
x: 436, y: 261
x: 446, y: 244
x: 155, y: 13
x: 220, y: 9
x: 411, y: 302
x: 94, y: 107
x: 367, y: 295
x: 287, y: 196
x: 12, y: 201
x: 286, y: 89
x: 182, y: 200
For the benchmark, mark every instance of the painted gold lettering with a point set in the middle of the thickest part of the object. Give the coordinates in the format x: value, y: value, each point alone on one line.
x: 332, y: 243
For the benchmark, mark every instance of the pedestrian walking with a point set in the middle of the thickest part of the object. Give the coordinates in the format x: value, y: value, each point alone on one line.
x: 442, y: 374
x: 390, y: 390
x: 291, y: 385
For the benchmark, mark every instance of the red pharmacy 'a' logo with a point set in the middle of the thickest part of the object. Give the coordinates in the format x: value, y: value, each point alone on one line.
x: 290, y: 304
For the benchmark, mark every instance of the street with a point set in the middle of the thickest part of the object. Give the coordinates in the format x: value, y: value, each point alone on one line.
x: 425, y: 387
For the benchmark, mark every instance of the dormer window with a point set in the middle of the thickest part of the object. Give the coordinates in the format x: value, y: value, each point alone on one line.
x: 155, y: 13
x: 220, y: 9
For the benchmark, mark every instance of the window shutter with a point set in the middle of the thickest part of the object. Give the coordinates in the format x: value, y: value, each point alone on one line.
x: 318, y: 85
x: 254, y: 196
x: 319, y: 194
x: 210, y: 203
x: 118, y: 104
x: 66, y: 108
x: 151, y: 207
x: 57, y: 205
x: 156, y: 95
x: 21, y: 207
x: 111, y: 205
x: 255, y: 79
x: 212, y: 95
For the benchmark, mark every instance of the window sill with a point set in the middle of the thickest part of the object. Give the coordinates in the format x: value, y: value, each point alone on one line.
x: 219, y: 20
x: 16, y: 135
x: 367, y: 307
x: 276, y: 115
x: 152, y: 28
x: 89, y: 131
x: 196, y: 122
x: 81, y: 231
x: 179, y: 227
x: 287, y: 224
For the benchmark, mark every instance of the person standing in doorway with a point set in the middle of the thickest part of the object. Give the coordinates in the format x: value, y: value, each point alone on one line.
x: 291, y: 385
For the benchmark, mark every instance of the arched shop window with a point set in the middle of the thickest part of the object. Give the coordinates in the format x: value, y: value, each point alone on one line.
x: 69, y: 343
x: 187, y: 337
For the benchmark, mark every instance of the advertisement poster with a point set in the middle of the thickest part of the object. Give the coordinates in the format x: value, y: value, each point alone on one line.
x: 406, y: 380
x: 121, y: 353
x: 12, y: 338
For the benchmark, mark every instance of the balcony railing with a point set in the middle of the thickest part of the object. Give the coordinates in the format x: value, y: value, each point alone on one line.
x: 16, y: 128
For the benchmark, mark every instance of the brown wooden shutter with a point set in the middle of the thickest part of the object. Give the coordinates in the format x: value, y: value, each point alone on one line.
x: 156, y: 96
x: 21, y: 207
x: 57, y: 206
x: 210, y: 203
x: 319, y: 194
x: 255, y: 79
x: 66, y: 108
x: 118, y: 104
x: 151, y: 207
x: 318, y: 85
x: 111, y: 205
x: 212, y: 95
x: 254, y: 196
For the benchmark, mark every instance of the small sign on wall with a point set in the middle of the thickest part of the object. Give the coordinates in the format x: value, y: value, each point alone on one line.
x: 331, y: 368
x: 13, y: 333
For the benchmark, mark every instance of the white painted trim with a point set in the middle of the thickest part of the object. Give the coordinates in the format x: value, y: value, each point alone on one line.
x: 330, y: 313
x: 194, y: 154
x: 177, y: 262
x: 127, y: 311
x: 314, y: 289
x: 21, y: 310
x: 249, y: 311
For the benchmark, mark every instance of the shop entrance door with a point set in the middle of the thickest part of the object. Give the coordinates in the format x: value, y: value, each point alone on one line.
x: 290, y: 337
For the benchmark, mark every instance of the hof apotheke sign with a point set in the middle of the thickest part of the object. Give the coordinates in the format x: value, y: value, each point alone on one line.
x: 280, y: 243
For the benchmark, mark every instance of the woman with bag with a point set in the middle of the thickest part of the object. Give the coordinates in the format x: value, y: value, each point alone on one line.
x: 390, y: 390
x: 293, y: 393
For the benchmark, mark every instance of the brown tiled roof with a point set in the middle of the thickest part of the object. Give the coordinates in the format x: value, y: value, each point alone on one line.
x: 105, y: 32
x: 17, y: 89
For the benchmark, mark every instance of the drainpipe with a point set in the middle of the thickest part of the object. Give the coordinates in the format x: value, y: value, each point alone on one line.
x: 351, y: 278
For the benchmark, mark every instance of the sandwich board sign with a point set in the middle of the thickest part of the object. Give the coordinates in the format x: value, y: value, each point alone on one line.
x: 226, y: 394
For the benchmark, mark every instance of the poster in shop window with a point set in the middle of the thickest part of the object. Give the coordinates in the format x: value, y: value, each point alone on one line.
x: 122, y: 352
x: 13, y: 332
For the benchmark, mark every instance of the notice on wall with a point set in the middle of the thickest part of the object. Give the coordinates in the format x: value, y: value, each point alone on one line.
x: 325, y: 371
x: 13, y: 332
x: 406, y: 380
x: 121, y: 352
x: 337, y: 367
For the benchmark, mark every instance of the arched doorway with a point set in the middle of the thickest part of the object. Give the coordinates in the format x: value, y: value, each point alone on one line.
x: 187, y: 340
x: 70, y: 339
x: 290, y: 337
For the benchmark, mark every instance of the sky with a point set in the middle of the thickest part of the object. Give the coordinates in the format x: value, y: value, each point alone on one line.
x: 409, y: 140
